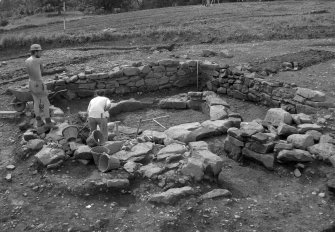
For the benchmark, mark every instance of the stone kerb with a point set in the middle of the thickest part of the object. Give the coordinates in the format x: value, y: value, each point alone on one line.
x: 171, y: 73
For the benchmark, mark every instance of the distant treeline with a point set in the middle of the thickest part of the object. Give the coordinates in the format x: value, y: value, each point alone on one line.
x: 10, y: 8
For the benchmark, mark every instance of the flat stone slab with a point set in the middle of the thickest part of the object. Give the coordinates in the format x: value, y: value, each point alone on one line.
x: 254, y: 126
x: 199, y: 145
x: 131, y: 166
x: 117, y: 183
x: 302, y: 128
x: 286, y: 130
x: 113, y: 146
x: 127, y: 106
x: 294, y: 155
x: 216, y: 193
x: 174, y: 148
x: 140, y: 149
x: 312, y: 95
x: 175, y: 102
x: 172, y: 195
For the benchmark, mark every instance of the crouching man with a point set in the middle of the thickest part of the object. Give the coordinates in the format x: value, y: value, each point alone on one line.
x: 98, y: 113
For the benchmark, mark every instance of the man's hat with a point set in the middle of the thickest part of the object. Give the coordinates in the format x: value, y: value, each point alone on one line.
x: 35, y: 47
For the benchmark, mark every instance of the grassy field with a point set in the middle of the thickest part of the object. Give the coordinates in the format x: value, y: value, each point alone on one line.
x: 226, y: 22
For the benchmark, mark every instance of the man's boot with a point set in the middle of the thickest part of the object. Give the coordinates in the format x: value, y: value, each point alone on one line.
x: 39, y: 121
x: 49, y: 124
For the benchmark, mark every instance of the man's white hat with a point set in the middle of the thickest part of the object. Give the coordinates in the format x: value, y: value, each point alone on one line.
x: 35, y: 47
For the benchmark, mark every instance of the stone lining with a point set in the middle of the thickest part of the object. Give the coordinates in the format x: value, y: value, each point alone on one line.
x: 169, y: 73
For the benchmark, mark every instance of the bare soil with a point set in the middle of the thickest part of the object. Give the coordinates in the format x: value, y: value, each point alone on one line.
x: 45, y: 200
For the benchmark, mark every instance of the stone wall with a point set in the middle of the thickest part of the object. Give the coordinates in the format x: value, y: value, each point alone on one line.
x: 174, y: 74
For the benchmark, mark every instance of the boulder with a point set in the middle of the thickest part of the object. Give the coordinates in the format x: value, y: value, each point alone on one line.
x: 218, y: 112
x: 301, y: 141
x: 83, y: 152
x: 315, y: 134
x: 158, y: 137
x: 326, y: 138
x: 312, y: 95
x: 286, y: 130
x: 131, y: 166
x: 194, y: 168
x: 174, y: 158
x: 35, y: 144
x: 118, y: 183
x: 172, y: 195
x: 219, y: 126
x: 215, y: 193
x: 323, y: 150
x: 295, y: 155
x: 113, y: 146
x: 213, y: 99
x: 141, y: 149
x: 301, y: 118
x: 277, y: 115
x: 49, y: 155
x: 266, y: 159
x: 262, y: 148
x: 235, y: 141
x: 150, y: 170
x: 233, y: 152
x: 212, y: 162
x: 260, y: 137
x: 251, y: 126
x: 302, y: 128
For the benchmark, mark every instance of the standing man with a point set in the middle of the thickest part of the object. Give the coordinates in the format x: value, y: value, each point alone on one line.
x: 37, y: 87
x: 98, y: 113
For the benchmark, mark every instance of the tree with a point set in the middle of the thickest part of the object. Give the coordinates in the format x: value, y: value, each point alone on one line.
x: 55, y: 5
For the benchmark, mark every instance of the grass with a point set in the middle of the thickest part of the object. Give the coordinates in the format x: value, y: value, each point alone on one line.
x: 227, y: 22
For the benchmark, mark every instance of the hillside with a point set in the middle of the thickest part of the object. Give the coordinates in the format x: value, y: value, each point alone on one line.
x: 226, y: 22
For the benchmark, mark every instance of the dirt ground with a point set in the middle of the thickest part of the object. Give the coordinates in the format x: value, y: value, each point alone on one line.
x: 45, y: 200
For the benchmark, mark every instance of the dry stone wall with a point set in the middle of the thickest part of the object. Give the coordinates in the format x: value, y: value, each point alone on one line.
x: 174, y: 74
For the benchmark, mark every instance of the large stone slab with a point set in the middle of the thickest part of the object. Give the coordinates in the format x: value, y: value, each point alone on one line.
x: 215, y: 193
x: 219, y: 126
x: 172, y: 195
x: 126, y: 106
x: 171, y: 149
x: 323, y: 150
x: 49, y: 155
x: 262, y: 148
x: 266, y: 159
x: 302, y: 128
x: 199, y: 145
x: 175, y: 102
x: 140, y: 149
x: 301, y: 141
x: 294, y: 155
x: 315, y: 134
x: 181, y: 132
x: 277, y: 115
x: 233, y: 152
x: 312, y: 95
x: 131, y: 166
